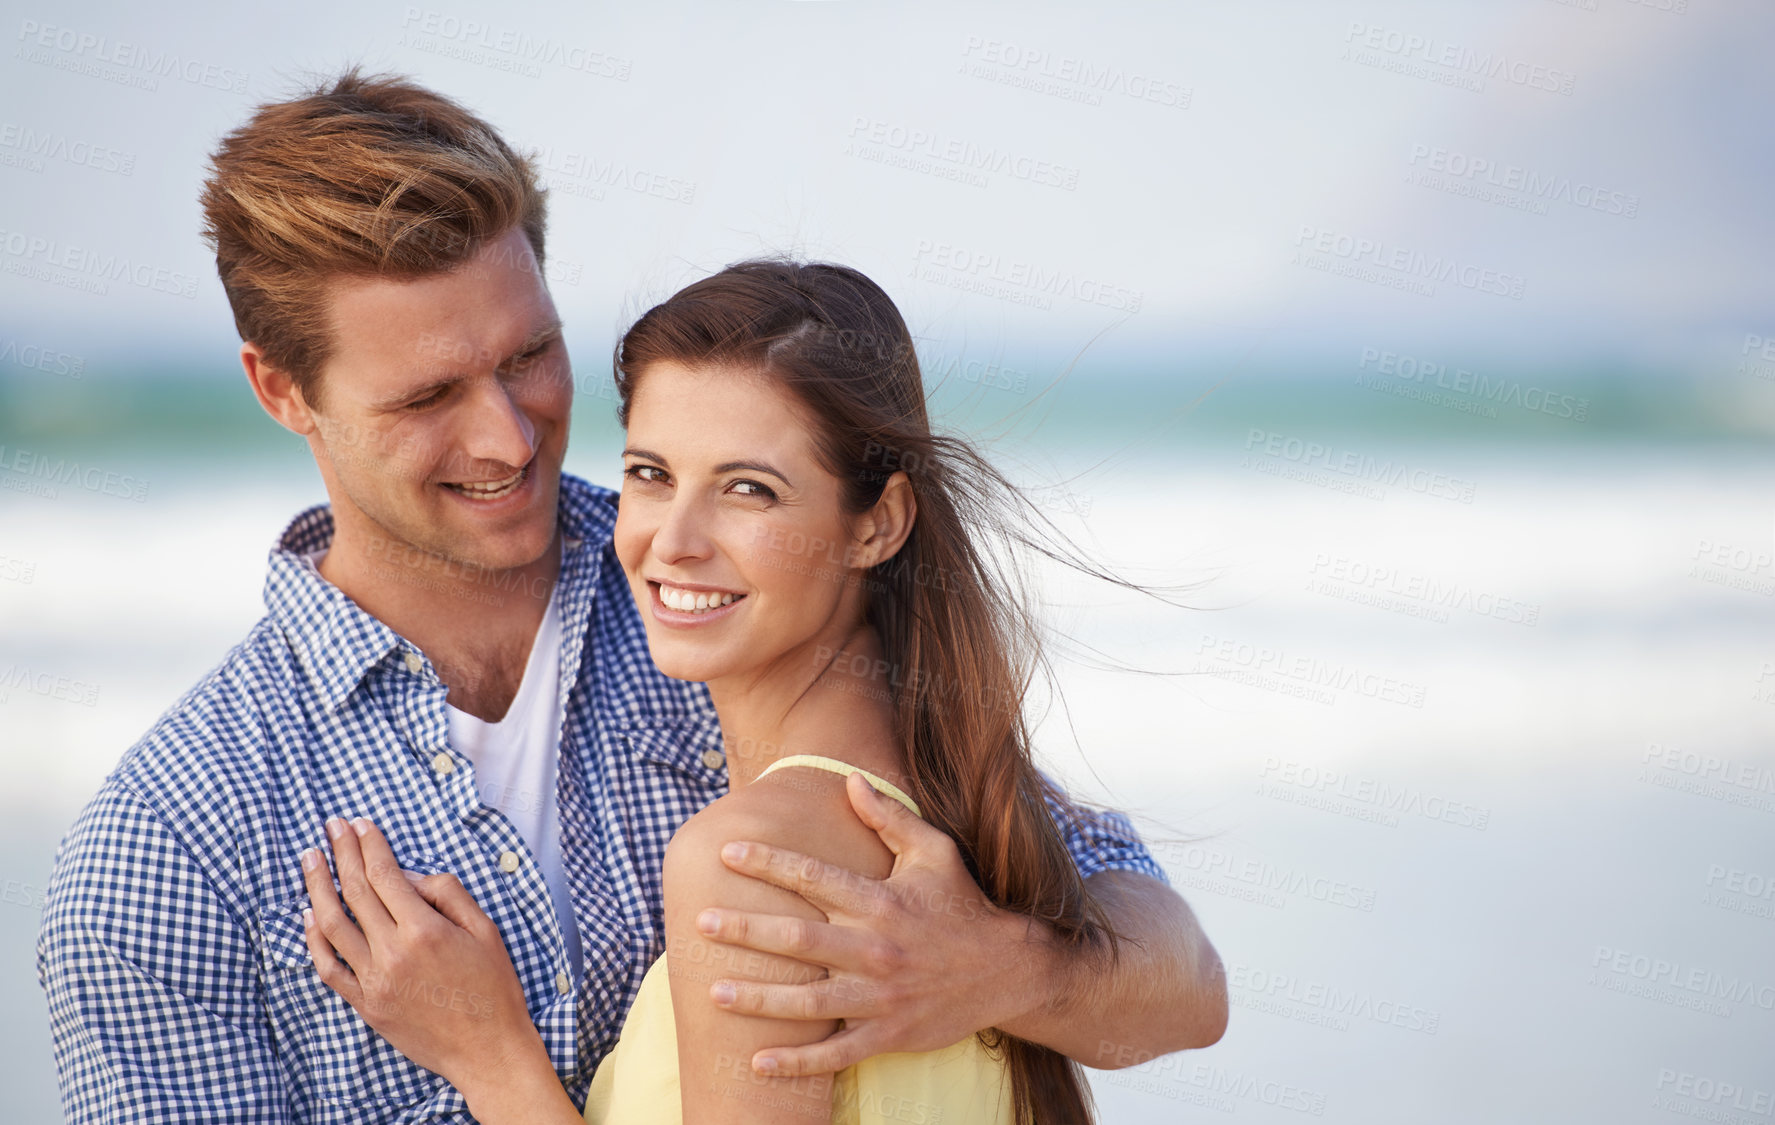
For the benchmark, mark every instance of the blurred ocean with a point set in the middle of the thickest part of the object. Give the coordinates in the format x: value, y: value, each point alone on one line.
x: 1461, y: 752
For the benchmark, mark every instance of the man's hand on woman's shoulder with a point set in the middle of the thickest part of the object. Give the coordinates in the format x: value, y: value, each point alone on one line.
x: 915, y: 956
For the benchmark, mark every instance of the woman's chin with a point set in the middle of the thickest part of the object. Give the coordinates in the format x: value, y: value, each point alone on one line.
x: 688, y: 666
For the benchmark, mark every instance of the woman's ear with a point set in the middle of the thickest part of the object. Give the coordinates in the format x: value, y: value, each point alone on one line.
x: 882, y: 530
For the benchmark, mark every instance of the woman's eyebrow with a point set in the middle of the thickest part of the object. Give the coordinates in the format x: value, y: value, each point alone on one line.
x: 755, y: 466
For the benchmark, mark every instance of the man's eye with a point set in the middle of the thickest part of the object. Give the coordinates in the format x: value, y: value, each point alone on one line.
x: 431, y: 399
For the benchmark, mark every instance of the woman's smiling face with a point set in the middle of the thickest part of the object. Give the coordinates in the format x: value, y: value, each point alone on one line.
x: 730, y: 530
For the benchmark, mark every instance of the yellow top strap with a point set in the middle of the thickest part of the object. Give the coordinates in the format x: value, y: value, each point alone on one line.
x: 833, y: 765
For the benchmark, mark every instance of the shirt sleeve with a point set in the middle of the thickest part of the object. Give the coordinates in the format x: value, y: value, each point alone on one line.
x: 1100, y: 839
x: 152, y: 981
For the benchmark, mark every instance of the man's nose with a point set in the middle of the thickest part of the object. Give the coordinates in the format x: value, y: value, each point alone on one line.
x: 496, y: 430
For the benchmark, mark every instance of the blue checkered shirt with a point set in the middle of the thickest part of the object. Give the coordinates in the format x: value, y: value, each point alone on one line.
x: 179, y: 985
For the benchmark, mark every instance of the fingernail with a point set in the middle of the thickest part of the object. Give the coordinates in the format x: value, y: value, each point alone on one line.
x: 766, y: 1065
x: 708, y: 921
x: 724, y: 993
x: 360, y: 825
x: 307, y: 916
x: 413, y: 876
x: 335, y: 827
x: 310, y: 859
x: 735, y: 852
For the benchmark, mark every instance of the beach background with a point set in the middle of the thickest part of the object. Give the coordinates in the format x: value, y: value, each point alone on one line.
x: 1427, y: 348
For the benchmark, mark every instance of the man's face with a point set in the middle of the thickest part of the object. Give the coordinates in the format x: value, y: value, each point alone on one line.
x: 443, y: 414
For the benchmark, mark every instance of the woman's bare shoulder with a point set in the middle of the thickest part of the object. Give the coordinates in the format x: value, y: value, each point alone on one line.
x: 800, y: 810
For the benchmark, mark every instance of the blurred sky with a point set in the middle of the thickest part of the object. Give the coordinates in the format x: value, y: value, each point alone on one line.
x: 1170, y: 151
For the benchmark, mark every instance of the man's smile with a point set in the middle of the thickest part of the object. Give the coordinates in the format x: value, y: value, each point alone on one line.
x: 487, y: 491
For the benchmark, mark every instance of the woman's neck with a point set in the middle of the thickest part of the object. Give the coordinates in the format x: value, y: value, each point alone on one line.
x: 832, y: 697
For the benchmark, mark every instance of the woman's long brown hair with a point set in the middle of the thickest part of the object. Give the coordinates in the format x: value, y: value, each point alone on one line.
x: 960, y: 638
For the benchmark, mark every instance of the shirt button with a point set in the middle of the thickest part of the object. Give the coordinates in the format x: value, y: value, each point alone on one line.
x: 508, y: 862
x: 414, y: 663
x: 713, y: 759
x: 562, y: 984
x: 443, y: 765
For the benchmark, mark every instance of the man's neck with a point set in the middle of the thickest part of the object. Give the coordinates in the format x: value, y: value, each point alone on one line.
x: 475, y: 626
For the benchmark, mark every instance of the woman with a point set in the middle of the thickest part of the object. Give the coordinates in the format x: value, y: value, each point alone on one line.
x: 797, y: 538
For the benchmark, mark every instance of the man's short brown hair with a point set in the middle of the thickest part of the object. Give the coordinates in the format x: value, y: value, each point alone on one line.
x: 364, y: 177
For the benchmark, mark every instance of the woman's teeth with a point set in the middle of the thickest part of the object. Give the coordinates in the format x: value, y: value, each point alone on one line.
x: 493, y: 490
x: 688, y: 601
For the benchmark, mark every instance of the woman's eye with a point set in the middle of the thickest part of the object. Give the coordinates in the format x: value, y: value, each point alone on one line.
x: 640, y: 472
x: 753, y: 488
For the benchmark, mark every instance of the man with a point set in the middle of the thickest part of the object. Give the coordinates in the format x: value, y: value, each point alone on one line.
x: 451, y: 651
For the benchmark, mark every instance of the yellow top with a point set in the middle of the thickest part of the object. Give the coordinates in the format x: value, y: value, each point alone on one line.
x: 638, y: 1080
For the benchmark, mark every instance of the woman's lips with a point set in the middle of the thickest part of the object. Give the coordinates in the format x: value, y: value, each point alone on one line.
x: 680, y: 610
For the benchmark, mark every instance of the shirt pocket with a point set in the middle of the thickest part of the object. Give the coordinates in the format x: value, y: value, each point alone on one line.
x: 331, y: 1055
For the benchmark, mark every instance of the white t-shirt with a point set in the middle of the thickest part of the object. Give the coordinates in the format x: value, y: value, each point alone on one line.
x: 516, y: 764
